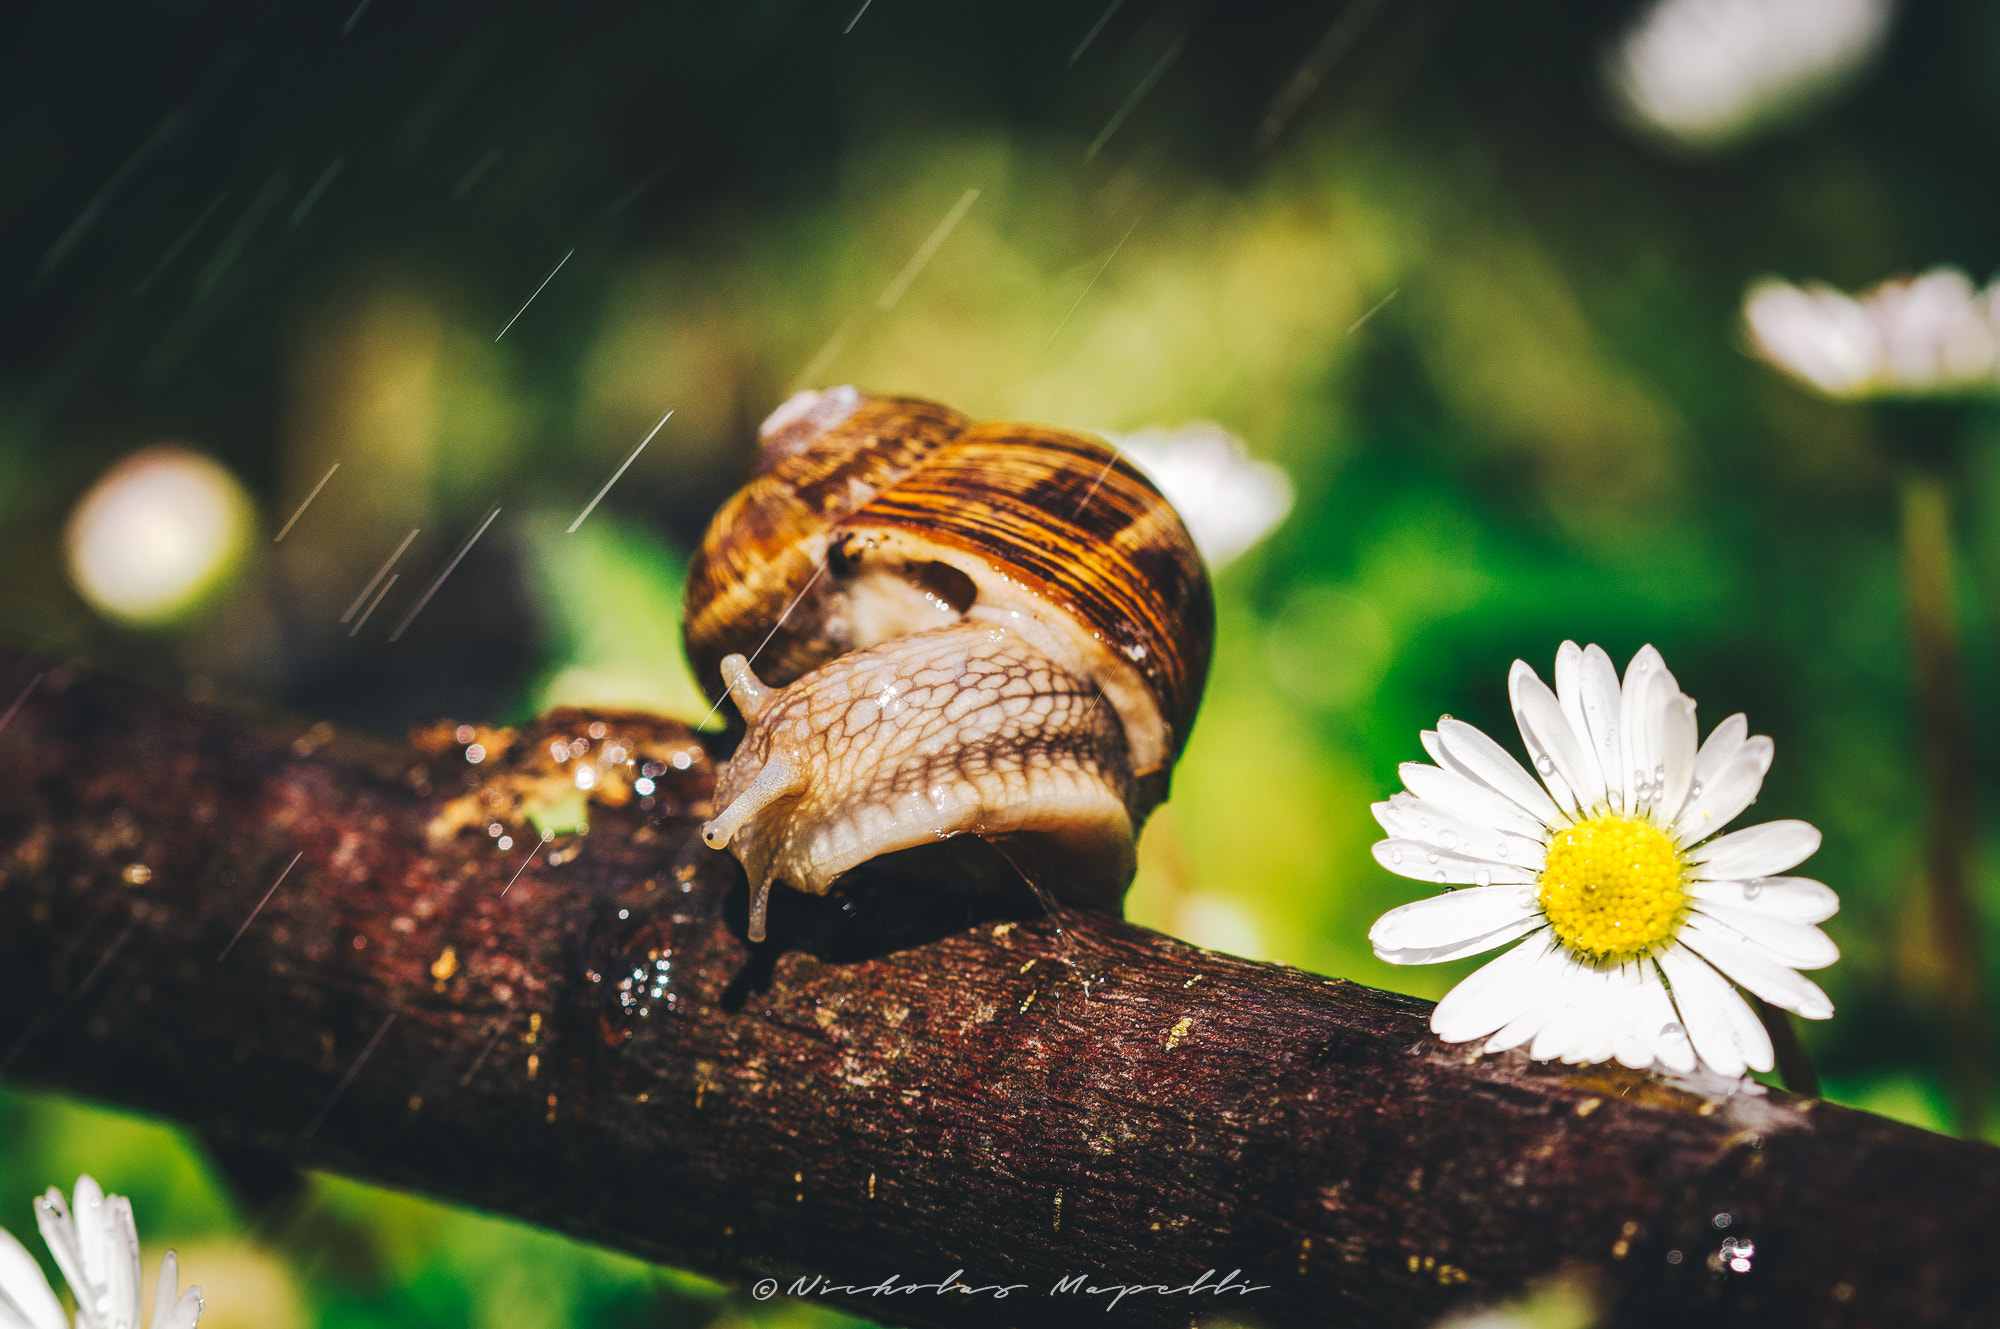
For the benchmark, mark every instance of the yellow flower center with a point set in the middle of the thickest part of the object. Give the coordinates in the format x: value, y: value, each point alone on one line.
x: 1612, y: 888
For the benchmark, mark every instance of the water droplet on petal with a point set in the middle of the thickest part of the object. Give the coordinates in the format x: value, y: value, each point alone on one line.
x: 1618, y: 800
x: 1544, y: 765
x: 1672, y: 1029
x: 1449, y: 839
x: 1660, y: 774
x: 1483, y: 877
x: 1753, y: 889
x: 1395, y: 855
x: 1439, y: 876
x: 1694, y: 791
x: 1500, y: 850
x: 1433, y: 858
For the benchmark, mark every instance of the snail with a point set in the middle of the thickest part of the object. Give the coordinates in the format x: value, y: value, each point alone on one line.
x: 941, y: 633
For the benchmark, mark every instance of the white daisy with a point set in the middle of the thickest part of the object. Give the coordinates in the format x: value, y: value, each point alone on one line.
x: 1228, y: 498
x: 1931, y: 335
x: 96, y: 1246
x: 1636, y: 923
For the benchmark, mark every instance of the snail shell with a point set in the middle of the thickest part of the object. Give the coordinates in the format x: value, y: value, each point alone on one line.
x: 990, y: 629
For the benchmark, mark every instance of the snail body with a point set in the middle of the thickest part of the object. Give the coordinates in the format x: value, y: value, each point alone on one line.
x: 934, y: 628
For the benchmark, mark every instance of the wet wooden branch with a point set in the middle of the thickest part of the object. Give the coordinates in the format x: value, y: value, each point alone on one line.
x: 596, y: 1049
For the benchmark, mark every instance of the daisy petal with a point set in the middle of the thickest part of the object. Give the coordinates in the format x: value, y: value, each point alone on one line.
x: 1453, y: 918
x: 1407, y: 817
x: 25, y: 1296
x: 53, y: 1217
x: 1569, y: 694
x: 1598, y: 1031
x: 1496, y: 992
x: 1542, y: 1008
x: 1672, y: 1048
x: 1756, y: 851
x: 169, y: 1311
x: 1797, y: 899
x: 1421, y: 862
x: 1748, y: 964
x: 1634, y: 1044
x: 1677, y: 754
x: 1490, y: 763
x: 1468, y: 800
x: 1753, y: 1040
x: 1602, y: 702
x: 1797, y: 945
x: 1702, y: 997
x: 1726, y: 790
x: 1719, y: 749
x: 185, y: 1313
x: 1470, y: 946
x: 1551, y: 742
x: 121, y: 1270
x: 1642, y: 720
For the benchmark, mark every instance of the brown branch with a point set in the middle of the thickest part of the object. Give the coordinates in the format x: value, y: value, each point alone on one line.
x: 1017, y: 1102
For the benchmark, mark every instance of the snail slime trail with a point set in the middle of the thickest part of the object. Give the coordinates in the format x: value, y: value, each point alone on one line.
x: 986, y: 663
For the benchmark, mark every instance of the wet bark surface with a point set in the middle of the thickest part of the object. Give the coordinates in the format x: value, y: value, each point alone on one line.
x: 574, y: 1032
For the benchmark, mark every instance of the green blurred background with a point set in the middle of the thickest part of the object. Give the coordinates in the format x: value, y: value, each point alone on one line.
x: 1413, y: 254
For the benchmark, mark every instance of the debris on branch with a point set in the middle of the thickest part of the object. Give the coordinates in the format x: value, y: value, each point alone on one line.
x: 368, y: 958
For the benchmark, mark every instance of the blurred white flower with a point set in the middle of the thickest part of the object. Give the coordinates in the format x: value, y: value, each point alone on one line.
x: 96, y: 1246
x: 1921, y: 336
x: 156, y: 534
x: 1707, y: 73
x: 1636, y: 922
x: 1228, y: 499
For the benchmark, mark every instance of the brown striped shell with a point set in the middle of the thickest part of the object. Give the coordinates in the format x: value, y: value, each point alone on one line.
x: 871, y: 520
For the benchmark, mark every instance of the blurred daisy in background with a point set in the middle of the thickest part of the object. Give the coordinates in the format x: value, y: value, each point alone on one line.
x: 1933, y: 335
x: 96, y: 1245
x: 158, y: 535
x: 1708, y: 74
x: 1228, y: 499
x: 1636, y: 923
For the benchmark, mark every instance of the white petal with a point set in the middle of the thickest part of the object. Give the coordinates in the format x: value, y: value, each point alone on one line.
x: 1795, y: 945
x: 185, y: 1313
x: 1677, y: 753
x: 1569, y: 695
x: 1421, y: 862
x: 1542, y: 1007
x: 1637, y: 1025
x: 1720, y: 748
x: 1465, y: 798
x: 171, y: 1311
x: 58, y: 1227
x: 1703, y: 1000
x: 1569, y: 1024
x: 121, y: 1255
x: 1642, y: 720
x: 1470, y: 946
x: 1407, y: 817
x: 1551, y: 742
x: 1756, y: 851
x: 1797, y: 899
x: 1727, y: 787
x: 1490, y: 763
x: 1498, y: 991
x: 1452, y: 919
x: 1598, y: 1033
x: 1753, y: 1040
x: 1601, y: 700
x: 1672, y: 1048
x: 1748, y: 965
x: 26, y: 1300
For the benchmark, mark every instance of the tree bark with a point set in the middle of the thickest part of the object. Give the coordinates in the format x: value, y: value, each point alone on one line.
x: 884, y: 1088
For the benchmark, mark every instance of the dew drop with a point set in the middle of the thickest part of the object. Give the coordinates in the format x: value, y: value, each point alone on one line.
x: 1694, y: 791
x: 1639, y: 781
x: 1482, y: 877
x: 1753, y: 889
x: 1660, y: 774
x: 1672, y: 1029
x: 1438, y: 877
x: 1618, y: 800
x: 1433, y: 857
x: 1500, y: 850
x: 1449, y: 839
x: 1544, y: 765
x: 1395, y: 855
